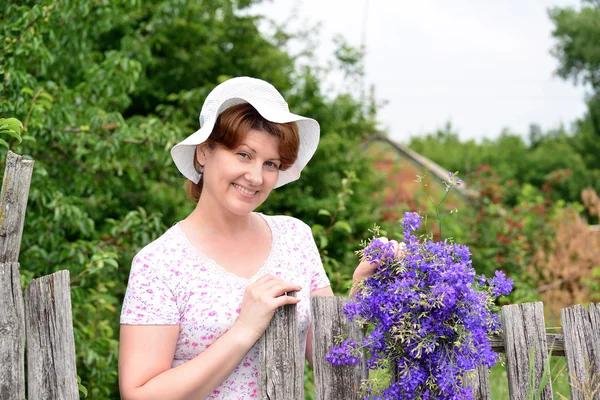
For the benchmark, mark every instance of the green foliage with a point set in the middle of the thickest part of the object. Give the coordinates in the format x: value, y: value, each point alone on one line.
x: 104, y: 90
x: 10, y: 127
x: 516, y: 162
x: 578, y: 36
x: 577, y: 33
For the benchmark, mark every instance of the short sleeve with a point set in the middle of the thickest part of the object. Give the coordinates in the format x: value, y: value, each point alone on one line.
x: 319, y: 279
x: 148, y: 300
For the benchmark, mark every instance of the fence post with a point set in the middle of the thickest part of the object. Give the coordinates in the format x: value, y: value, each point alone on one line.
x: 13, y: 203
x: 480, y: 383
x: 12, y: 334
x: 581, y: 330
x: 525, y: 342
x: 328, y: 321
x: 52, y: 372
x: 281, y: 366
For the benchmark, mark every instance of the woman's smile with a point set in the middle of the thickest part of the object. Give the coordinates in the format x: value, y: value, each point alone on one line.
x: 248, y: 193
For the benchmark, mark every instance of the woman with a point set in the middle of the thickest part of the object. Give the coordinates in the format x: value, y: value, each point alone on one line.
x: 200, y: 296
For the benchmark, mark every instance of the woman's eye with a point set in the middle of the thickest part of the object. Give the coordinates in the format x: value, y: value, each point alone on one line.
x: 271, y: 164
x: 244, y: 155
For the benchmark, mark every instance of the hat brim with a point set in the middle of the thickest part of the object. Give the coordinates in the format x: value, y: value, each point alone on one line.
x: 183, y: 153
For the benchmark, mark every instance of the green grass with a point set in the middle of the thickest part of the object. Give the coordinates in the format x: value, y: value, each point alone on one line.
x: 498, y: 381
x: 558, y: 373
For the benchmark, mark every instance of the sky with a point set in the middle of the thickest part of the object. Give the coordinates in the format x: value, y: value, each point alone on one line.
x: 482, y: 66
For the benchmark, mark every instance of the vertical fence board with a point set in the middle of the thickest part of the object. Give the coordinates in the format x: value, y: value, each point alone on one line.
x: 480, y: 383
x: 281, y: 366
x: 328, y: 321
x: 12, y: 333
x: 51, y: 368
x: 13, y: 203
x: 581, y: 332
x: 525, y: 336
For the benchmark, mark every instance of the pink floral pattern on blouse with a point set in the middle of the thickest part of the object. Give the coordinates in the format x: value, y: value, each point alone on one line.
x: 171, y: 282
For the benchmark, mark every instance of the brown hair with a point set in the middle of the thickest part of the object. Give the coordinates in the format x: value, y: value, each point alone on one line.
x: 230, y: 131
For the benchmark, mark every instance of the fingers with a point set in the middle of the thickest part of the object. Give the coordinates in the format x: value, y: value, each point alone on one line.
x: 399, y: 247
x: 367, y: 268
x: 270, y: 287
x: 285, y: 300
x: 269, y: 282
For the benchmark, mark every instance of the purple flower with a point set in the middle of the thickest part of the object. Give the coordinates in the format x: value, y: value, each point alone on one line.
x: 430, y: 317
x: 453, y: 180
x: 500, y: 284
x: 343, y: 354
x: 377, y: 251
x: 411, y: 223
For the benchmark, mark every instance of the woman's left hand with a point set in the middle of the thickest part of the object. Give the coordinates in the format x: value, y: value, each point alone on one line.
x: 365, y: 268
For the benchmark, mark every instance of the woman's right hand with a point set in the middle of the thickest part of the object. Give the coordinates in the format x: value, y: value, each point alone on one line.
x: 365, y: 268
x: 260, y: 301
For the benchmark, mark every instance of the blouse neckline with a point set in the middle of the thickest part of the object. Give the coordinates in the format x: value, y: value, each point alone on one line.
x: 224, y: 273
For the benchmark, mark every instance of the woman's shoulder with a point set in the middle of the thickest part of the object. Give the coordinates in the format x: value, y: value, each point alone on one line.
x: 287, y: 225
x: 286, y: 221
x: 161, y: 250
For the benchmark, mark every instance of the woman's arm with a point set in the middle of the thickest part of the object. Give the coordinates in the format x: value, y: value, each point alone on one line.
x: 146, y: 352
x: 145, y: 357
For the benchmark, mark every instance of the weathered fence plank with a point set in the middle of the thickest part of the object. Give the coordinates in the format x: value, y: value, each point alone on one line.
x: 51, y: 367
x: 13, y: 203
x: 328, y: 321
x: 581, y: 331
x: 556, y: 340
x: 525, y: 342
x: 12, y: 333
x: 281, y: 371
x: 480, y: 383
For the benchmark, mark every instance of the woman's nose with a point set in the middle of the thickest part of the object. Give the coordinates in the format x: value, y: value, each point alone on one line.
x: 254, y: 174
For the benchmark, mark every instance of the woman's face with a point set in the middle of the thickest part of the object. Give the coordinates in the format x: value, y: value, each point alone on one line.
x: 240, y: 180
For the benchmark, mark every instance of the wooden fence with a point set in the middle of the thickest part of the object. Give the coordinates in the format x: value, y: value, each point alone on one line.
x: 43, y: 320
x: 524, y: 337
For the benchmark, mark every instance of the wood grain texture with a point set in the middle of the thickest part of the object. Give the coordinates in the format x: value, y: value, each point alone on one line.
x: 13, y: 204
x: 51, y: 367
x: 581, y: 330
x: 556, y: 344
x: 525, y: 338
x: 281, y: 365
x: 12, y: 333
x: 329, y: 321
x: 480, y: 383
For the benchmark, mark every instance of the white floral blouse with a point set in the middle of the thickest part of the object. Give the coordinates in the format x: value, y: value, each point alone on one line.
x: 171, y: 282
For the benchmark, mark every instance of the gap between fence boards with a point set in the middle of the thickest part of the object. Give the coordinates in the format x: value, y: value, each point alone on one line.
x: 556, y: 343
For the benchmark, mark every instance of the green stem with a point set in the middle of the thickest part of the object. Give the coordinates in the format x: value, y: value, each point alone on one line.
x: 437, y: 210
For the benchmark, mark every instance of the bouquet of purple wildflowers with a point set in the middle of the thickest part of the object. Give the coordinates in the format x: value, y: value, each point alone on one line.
x: 429, y: 314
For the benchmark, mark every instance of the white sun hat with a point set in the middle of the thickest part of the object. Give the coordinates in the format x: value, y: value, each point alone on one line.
x: 268, y: 102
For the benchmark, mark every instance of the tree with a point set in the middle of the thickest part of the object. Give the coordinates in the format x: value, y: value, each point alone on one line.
x: 578, y: 38
x: 104, y: 89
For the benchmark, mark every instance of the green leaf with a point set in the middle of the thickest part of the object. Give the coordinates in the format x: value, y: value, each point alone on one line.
x: 317, y: 229
x: 343, y: 225
x: 83, y: 390
x: 323, y: 242
x: 12, y: 133
x: 12, y: 123
x: 47, y: 96
x: 3, y: 143
x: 325, y: 212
